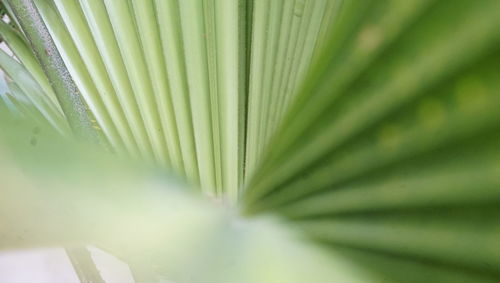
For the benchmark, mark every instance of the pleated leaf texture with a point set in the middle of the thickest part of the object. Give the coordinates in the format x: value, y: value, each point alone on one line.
x: 369, y: 128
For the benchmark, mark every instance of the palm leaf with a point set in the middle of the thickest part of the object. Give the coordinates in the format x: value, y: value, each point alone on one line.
x: 367, y: 129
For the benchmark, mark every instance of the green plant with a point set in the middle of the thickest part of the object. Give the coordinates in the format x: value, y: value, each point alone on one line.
x: 340, y: 140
